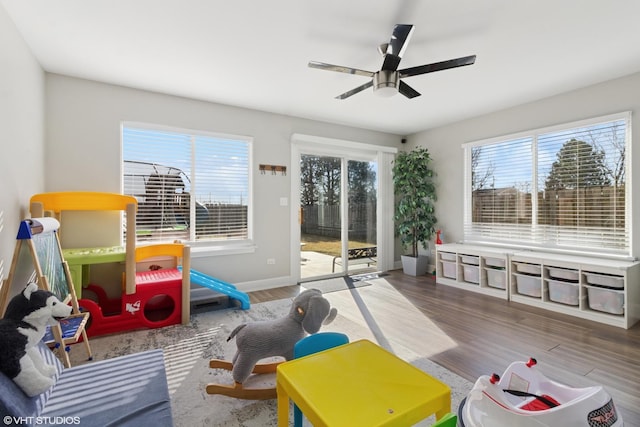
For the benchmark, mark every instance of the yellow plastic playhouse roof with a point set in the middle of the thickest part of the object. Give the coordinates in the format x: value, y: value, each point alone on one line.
x: 83, y: 201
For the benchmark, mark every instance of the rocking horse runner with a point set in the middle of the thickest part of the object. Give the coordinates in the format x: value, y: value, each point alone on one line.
x: 259, y: 340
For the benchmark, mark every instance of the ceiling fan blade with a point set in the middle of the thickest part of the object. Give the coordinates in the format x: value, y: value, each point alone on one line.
x: 339, y: 69
x: 399, y: 39
x: 437, y: 66
x: 396, y: 47
x: 390, y: 62
x: 356, y: 90
x: 407, y: 90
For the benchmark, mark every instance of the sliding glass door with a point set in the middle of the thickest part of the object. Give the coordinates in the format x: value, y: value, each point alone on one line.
x: 320, y: 214
x: 338, y: 199
x: 362, y: 192
x: 341, y: 207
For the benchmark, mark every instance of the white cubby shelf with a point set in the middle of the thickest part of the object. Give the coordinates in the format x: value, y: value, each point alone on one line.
x: 474, y: 268
x: 598, y: 289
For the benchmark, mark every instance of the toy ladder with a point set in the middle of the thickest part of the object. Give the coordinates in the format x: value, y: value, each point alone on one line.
x: 38, y: 257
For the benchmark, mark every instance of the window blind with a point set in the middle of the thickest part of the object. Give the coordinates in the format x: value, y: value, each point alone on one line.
x: 189, y: 186
x: 563, y: 188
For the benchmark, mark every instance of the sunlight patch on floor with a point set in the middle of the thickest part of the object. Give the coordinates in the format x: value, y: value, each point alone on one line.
x: 179, y: 358
x: 392, y: 322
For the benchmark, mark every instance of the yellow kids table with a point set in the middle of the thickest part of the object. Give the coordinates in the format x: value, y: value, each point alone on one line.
x: 359, y: 385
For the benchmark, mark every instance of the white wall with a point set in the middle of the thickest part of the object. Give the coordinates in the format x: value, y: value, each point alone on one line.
x: 83, y: 147
x: 83, y: 141
x: 444, y: 143
x: 22, y: 127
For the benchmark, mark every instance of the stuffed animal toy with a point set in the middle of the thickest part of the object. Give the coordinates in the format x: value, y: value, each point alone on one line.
x: 258, y: 340
x: 23, y: 326
x: 270, y: 338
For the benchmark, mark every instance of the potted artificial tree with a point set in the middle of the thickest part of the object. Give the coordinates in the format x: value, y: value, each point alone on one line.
x: 414, y: 215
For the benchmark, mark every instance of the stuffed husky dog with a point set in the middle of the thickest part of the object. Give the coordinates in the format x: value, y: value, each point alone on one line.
x: 23, y: 326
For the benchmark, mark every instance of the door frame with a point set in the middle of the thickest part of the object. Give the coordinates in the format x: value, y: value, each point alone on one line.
x: 383, y: 155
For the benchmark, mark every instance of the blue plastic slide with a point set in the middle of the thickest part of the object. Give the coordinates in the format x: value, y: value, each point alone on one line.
x: 221, y: 286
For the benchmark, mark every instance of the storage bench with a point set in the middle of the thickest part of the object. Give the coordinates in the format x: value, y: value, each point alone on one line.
x: 605, y: 290
x: 128, y: 390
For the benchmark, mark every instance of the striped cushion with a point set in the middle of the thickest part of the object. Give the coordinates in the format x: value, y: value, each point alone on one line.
x: 124, y: 391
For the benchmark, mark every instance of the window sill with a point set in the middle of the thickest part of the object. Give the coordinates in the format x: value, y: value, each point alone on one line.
x: 202, y: 251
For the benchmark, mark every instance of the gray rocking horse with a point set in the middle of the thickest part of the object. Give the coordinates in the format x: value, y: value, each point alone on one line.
x: 259, y: 340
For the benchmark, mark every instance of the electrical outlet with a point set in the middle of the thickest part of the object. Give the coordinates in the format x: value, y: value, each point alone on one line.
x: 271, y: 261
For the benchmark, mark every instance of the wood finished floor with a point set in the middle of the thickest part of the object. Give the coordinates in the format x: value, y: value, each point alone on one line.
x: 490, y: 333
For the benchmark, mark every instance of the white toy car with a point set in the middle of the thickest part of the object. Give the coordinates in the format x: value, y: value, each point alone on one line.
x: 524, y: 397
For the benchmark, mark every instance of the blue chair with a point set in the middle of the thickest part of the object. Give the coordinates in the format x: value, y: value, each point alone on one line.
x: 315, y: 343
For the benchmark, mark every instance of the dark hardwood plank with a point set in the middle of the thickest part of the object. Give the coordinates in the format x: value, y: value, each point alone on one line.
x: 274, y: 294
x: 491, y: 333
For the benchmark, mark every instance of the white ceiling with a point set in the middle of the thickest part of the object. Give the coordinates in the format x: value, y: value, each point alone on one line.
x: 254, y: 54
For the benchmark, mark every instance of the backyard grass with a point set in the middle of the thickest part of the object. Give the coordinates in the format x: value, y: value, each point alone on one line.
x: 327, y: 245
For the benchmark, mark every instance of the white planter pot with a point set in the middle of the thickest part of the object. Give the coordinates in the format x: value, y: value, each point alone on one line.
x: 415, y: 266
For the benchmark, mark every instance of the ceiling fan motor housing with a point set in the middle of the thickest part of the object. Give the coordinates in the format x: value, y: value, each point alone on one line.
x: 386, y: 82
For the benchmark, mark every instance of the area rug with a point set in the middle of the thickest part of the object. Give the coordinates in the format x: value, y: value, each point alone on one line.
x: 188, y: 349
x: 336, y: 284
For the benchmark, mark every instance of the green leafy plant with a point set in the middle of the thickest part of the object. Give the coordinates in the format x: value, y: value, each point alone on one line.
x: 415, y: 192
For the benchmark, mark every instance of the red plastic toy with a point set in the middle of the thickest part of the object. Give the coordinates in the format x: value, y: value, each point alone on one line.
x: 157, y: 300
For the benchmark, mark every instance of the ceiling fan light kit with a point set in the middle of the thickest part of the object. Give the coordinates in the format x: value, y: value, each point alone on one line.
x: 386, y: 82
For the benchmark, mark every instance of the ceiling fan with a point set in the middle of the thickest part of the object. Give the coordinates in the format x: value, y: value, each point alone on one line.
x: 387, y: 81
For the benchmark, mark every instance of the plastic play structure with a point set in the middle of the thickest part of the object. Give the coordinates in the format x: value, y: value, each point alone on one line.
x: 38, y: 258
x: 156, y: 279
x: 158, y: 300
x: 523, y: 396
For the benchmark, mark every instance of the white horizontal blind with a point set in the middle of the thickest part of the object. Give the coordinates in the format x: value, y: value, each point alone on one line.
x: 182, y: 178
x: 501, y: 183
x: 564, y: 188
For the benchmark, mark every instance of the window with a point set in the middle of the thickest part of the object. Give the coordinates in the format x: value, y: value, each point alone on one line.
x: 561, y: 188
x: 181, y: 178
